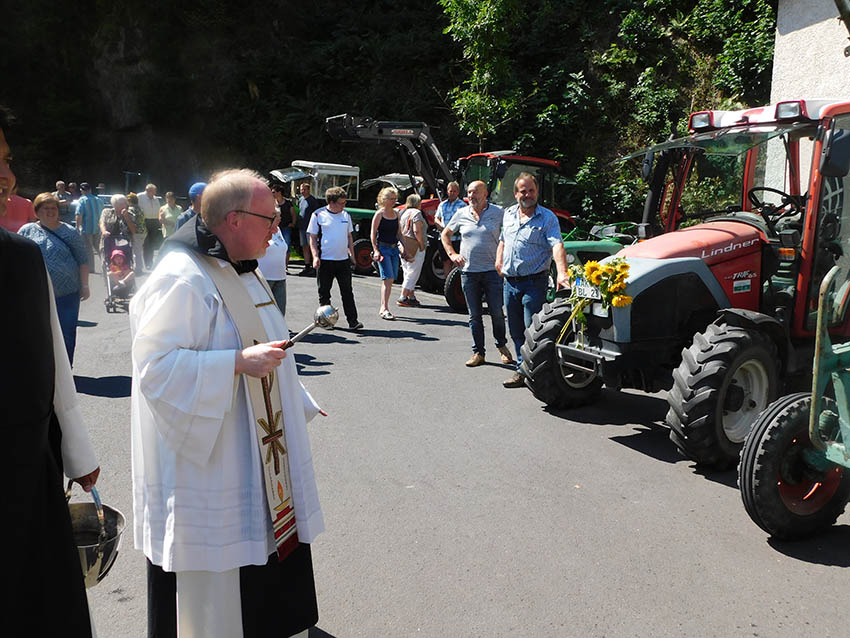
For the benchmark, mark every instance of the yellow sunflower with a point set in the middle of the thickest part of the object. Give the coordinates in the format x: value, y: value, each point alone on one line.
x: 608, y: 270
x: 590, y: 268
x: 617, y: 286
x: 596, y: 277
x: 620, y: 301
x: 622, y: 268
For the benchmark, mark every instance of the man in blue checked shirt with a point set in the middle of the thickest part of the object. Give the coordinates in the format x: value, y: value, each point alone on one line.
x: 445, y: 211
x: 87, y: 219
x: 530, y: 239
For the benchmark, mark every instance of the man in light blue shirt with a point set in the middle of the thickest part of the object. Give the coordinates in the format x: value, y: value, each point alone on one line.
x: 530, y: 239
x: 87, y: 219
x: 445, y: 211
x: 479, y: 225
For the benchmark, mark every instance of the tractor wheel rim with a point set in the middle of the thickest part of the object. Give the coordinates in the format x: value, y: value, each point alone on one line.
x: 752, y: 377
x: 804, y: 490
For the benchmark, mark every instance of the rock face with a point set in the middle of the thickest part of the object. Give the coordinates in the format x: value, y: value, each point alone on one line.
x: 121, y: 67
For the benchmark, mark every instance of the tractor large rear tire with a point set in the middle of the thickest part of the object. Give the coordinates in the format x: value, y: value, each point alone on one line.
x: 363, y: 264
x: 453, y: 291
x: 433, y: 278
x: 782, y: 493
x: 727, y: 377
x: 554, y: 385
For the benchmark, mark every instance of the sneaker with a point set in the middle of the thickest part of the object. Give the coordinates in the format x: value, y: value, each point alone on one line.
x: 476, y: 359
x: 506, y: 355
x: 357, y: 325
x: 404, y: 301
x: 516, y: 381
x: 307, y: 272
x: 413, y: 301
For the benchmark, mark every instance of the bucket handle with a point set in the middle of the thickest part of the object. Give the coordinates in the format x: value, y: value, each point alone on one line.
x: 98, y: 506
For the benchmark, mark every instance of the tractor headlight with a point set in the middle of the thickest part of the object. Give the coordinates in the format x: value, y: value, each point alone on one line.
x: 789, y: 110
x: 701, y: 120
x: 571, y: 259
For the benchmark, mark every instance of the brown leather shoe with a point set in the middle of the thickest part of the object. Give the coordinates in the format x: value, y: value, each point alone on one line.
x: 506, y: 355
x: 476, y: 359
x: 516, y: 381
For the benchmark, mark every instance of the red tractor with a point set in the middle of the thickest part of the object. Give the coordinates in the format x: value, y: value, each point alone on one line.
x: 723, y: 306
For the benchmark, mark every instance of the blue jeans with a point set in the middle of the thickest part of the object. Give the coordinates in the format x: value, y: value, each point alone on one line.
x: 489, y: 284
x: 388, y: 267
x: 68, y: 309
x: 523, y: 299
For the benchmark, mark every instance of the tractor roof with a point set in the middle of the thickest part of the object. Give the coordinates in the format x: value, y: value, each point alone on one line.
x: 784, y: 111
x: 511, y: 156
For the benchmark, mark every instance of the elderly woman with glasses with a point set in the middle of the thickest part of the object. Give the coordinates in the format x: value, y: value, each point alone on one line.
x: 67, y: 264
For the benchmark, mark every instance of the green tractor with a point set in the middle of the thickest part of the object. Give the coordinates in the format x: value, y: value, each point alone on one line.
x: 794, y: 471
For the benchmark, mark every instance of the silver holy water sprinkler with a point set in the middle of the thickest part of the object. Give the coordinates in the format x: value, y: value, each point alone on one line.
x: 324, y: 317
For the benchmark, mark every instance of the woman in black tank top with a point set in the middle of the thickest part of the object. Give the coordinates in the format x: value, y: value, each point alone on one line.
x: 385, y: 238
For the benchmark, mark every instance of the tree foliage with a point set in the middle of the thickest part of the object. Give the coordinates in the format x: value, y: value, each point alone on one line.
x: 176, y: 90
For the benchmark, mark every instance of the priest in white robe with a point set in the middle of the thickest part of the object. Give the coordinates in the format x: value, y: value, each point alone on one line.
x: 219, y: 562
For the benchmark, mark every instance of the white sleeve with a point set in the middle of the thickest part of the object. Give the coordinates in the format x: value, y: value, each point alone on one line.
x: 78, y: 455
x: 187, y: 387
x: 311, y: 408
x: 313, y: 226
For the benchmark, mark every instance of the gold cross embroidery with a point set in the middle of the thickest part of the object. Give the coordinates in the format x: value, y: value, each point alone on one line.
x: 272, y: 426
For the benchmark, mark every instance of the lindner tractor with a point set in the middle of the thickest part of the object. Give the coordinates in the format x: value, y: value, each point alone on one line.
x: 723, y: 306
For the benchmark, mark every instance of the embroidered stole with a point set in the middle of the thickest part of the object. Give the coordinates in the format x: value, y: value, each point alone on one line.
x: 264, y: 395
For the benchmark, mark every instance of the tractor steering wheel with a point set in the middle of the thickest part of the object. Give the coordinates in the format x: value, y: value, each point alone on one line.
x: 789, y: 202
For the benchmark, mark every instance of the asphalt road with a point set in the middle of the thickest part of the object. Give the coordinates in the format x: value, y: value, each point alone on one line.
x: 455, y: 507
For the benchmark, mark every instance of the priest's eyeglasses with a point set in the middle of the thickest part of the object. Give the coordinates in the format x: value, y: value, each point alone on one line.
x: 272, y: 220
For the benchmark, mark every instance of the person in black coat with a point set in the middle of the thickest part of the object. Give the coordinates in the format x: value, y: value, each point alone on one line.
x: 42, y: 566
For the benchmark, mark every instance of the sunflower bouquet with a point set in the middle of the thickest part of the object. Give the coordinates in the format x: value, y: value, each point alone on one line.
x: 608, y: 278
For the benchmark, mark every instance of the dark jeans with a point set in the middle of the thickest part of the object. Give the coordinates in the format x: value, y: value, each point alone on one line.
x: 279, y: 291
x: 341, y: 271
x: 489, y: 284
x: 153, y: 240
x: 68, y: 309
x: 523, y: 299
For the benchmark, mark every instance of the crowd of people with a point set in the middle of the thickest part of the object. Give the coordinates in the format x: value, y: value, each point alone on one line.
x: 225, y: 498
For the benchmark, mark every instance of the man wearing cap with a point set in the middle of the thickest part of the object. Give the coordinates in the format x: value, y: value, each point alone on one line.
x: 225, y: 498
x: 87, y: 217
x: 196, y: 190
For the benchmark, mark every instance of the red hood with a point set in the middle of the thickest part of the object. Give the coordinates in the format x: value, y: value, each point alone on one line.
x: 712, y: 242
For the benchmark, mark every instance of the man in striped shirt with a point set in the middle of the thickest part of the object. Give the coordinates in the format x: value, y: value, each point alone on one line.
x: 530, y: 239
x: 87, y: 219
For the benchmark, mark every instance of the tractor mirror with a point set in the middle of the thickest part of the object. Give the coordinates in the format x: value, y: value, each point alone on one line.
x: 835, y: 160
x: 646, y: 167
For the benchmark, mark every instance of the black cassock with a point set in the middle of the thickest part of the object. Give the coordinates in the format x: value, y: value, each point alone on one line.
x: 45, y: 594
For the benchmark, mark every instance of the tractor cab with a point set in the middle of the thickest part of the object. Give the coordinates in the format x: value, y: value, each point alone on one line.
x: 760, y: 170
x: 500, y: 169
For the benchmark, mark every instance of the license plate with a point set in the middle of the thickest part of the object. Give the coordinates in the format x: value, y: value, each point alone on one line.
x: 587, y: 291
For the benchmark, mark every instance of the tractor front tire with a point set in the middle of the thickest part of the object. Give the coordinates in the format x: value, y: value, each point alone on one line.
x: 555, y: 385
x: 727, y: 377
x: 453, y: 291
x: 782, y: 492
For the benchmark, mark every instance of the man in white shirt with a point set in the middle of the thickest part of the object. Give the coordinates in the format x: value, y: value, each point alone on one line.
x: 150, y: 205
x: 332, y: 247
x: 217, y: 466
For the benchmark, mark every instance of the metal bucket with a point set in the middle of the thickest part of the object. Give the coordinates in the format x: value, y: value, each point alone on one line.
x: 97, y: 532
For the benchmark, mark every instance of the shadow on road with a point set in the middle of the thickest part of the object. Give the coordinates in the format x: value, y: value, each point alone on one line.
x: 432, y: 322
x: 830, y: 548
x: 729, y: 477
x: 109, y: 387
x: 86, y: 324
x: 315, y: 632
x: 397, y: 334
x: 306, y: 365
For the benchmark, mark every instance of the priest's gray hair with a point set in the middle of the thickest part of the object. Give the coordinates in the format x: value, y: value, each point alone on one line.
x: 228, y: 190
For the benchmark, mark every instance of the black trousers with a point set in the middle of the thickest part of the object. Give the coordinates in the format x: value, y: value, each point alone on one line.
x: 278, y: 599
x: 341, y: 271
x: 153, y: 240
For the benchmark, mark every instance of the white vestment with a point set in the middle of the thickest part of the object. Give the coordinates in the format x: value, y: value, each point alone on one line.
x: 199, y: 499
